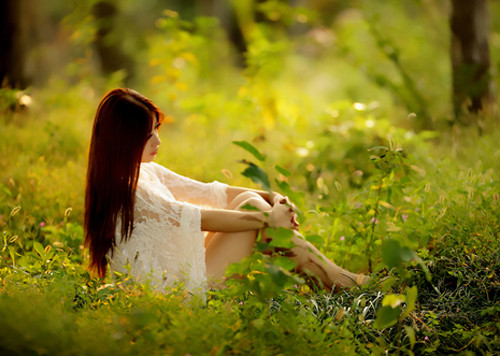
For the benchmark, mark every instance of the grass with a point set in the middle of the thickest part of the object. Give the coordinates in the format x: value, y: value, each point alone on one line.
x: 449, y: 200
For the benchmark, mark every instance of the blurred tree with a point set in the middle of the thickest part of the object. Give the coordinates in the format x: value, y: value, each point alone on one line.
x: 107, y: 40
x: 244, y: 16
x: 224, y: 11
x: 470, y: 56
x: 12, y: 45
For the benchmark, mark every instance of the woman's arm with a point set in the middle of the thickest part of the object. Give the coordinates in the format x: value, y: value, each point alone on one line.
x: 236, y: 221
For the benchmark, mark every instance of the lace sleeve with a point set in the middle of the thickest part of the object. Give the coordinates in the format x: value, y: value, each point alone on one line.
x: 189, y: 190
x: 166, y: 245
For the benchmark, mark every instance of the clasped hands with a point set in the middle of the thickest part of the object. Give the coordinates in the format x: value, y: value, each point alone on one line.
x: 283, y: 213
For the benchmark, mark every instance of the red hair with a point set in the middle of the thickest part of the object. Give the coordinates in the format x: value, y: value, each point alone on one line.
x: 122, y: 125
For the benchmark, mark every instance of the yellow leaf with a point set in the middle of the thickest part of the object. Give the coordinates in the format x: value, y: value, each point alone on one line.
x: 227, y: 173
x: 393, y: 300
x: 386, y: 204
x: 15, y: 210
x: 340, y: 314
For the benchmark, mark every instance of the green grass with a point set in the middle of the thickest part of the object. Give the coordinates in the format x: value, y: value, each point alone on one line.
x: 419, y: 210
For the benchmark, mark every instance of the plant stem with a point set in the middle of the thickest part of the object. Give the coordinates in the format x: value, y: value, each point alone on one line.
x: 369, y: 248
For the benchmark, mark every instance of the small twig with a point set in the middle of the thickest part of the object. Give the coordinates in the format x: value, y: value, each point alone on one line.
x: 369, y: 248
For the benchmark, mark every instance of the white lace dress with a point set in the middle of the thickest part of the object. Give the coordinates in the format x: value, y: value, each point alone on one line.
x: 167, y: 244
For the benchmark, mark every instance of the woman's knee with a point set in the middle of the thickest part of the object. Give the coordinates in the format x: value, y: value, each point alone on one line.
x: 251, y: 198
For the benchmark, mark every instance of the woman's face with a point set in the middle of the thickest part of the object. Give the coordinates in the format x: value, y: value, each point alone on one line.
x: 151, y: 147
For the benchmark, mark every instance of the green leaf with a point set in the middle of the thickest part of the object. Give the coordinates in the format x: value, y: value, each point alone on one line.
x: 284, y: 262
x: 257, y: 175
x: 280, y: 237
x: 239, y: 268
x: 411, y: 298
x: 37, y: 246
x: 12, y: 253
x: 386, y: 316
x: 6, y: 190
x: 250, y: 148
x: 422, y: 264
x: 250, y: 207
x: 393, y: 300
x: 279, y: 277
x: 314, y: 239
x: 379, y: 151
x: 460, y: 278
x: 284, y: 187
x: 50, y: 254
x: 388, y: 283
x: 410, y: 332
x: 283, y: 171
x: 262, y: 246
x: 393, y: 254
x: 296, y: 196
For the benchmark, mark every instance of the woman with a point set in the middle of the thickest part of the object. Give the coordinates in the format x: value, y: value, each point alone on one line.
x: 151, y: 221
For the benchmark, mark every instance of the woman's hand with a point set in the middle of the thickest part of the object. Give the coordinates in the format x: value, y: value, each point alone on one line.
x: 283, y: 215
x: 277, y: 198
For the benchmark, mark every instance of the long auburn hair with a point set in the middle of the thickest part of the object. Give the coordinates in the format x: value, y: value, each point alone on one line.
x: 122, y: 126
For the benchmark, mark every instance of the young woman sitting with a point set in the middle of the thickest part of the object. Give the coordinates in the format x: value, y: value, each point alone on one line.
x: 165, y: 228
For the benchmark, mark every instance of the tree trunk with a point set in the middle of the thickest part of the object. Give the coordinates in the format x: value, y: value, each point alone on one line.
x: 12, y: 51
x: 224, y: 11
x: 470, y: 56
x: 108, y: 42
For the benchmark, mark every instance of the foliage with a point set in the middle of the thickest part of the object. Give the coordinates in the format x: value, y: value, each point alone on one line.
x: 418, y: 210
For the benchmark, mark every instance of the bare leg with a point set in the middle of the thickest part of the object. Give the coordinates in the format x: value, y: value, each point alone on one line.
x: 310, y: 260
x: 222, y: 249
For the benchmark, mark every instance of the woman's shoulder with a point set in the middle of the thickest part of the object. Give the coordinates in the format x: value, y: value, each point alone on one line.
x: 153, y: 167
x: 150, y: 165
x: 151, y: 171
x: 151, y: 181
